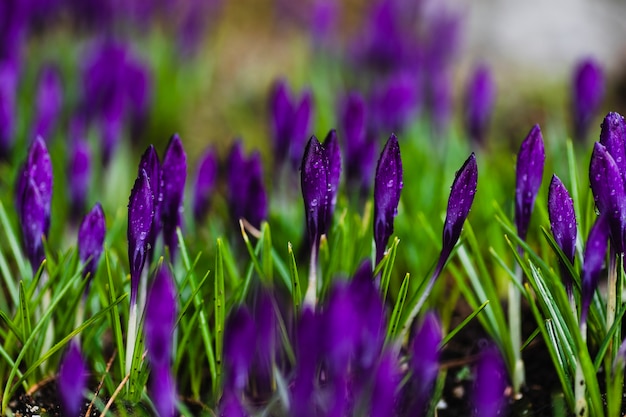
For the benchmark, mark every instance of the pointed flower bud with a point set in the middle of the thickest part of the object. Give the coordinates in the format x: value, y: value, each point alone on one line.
x: 247, y: 197
x: 48, y: 102
x: 587, y: 95
x: 395, y: 102
x: 239, y: 348
x: 490, y: 384
x: 160, y: 318
x: 563, y: 224
x: 607, y: 187
x: 595, y: 254
x: 72, y: 379
x: 79, y: 175
x: 91, y: 235
x: 314, y: 179
x: 613, y: 137
x: 150, y: 163
x: 140, y: 215
x: 529, y: 171
x: 479, y: 102
x: 174, y: 174
x: 206, y: 178
x: 387, y: 187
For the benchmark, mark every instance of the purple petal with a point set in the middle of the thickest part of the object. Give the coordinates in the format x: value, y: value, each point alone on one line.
x: 140, y: 217
x: 34, y: 222
x: 562, y: 222
x: 341, y: 335
x: 308, y: 352
x: 163, y: 391
x: 8, y: 93
x: 255, y: 207
x: 237, y: 181
x: 479, y: 102
x: 394, y: 102
x: 529, y: 171
x: 239, y: 347
x: 333, y: 156
x: 314, y: 181
x: 174, y: 174
x: 231, y: 406
x: 282, y: 115
x: 301, y: 126
x: 72, y: 379
x: 79, y: 175
x: 489, y: 384
x: 38, y: 167
x: 595, y: 254
x: 588, y: 93
x: 387, y: 187
x: 383, y: 399
x: 48, y: 101
x: 608, y: 191
x: 353, y: 124
x: 91, y: 234
x: 160, y: 317
x: 150, y: 163
x: 613, y: 137
x: 206, y: 178
x: 266, y: 332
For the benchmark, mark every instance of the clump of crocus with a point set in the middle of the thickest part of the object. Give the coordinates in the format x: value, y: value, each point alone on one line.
x: 72, y: 379
x: 149, y: 163
x: 173, y: 174
x: 160, y: 318
x: 78, y: 175
x: 48, y: 102
x: 319, y: 178
x: 247, y: 198
x: 33, y: 200
x: 479, y: 102
x: 291, y: 123
x: 387, y: 187
x: 563, y: 225
x: 206, y: 177
x: 587, y: 95
x: 91, y: 234
x: 489, y: 384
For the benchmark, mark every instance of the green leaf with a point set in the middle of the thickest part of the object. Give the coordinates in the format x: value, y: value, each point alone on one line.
x: 220, y: 306
x: 464, y: 323
x: 296, y: 293
x: 394, y: 322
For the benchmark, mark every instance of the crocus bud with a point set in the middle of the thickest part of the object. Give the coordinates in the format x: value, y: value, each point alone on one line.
x: 333, y: 155
x: 613, y: 137
x: 588, y: 93
x: 395, y: 102
x: 206, y: 177
x: 239, y: 348
x: 479, y: 102
x: 140, y: 217
x: 150, y: 163
x: 163, y: 391
x: 563, y: 224
x: 424, y: 363
x: 529, y: 171
x: 160, y: 317
x: 387, y: 187
x: 247, y: 198
x: 282, y: 115
x: 48, y: 102
x: 607, y: 187
x: 72, y: 380
x: 489, y: 384
x: 91, y: 235
x: 174, y: 174
x: 79, y: 175
x: 595, y: 254
x: 315, y: 184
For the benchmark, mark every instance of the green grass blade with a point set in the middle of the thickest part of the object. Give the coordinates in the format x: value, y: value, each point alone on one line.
x: 296, y: 293
x: 20, y: 259
x: 266, y: 256
x: 220, y: 306
x: 394, y: 322
x: 115, y: 317
x: 390, y: 259
x: 464, y: 323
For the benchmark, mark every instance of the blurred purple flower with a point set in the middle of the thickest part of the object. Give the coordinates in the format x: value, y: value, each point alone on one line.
x: 387, y: 187
x: 490, y: 384
x: 613, y: 137
x: 13, y: 28
x: 595, y: 254
x: 174, y: 175
x: 204, y: 185
x: 394, y: 102
x: 231, y: 406
x: 563, y: 225
x: 239, y: 348
x: 163, y: 391
x: 149, y: 162
x: 78, y: 175
x: 72, y: 379
x: 308, y: 354
x: 528, y: 175
x: 266, y: 333
x: 607, y: 187
x: 91, y: 234
x: 247, y: 198
x: 386, y: 379
x: 140, y: 217
x: 324, y: 16
x: 160, y: 318
x: 439, y: 99
x: 48, y: 102
x: 587, y: 95
x: 8, y: 98
x: 479, y: 103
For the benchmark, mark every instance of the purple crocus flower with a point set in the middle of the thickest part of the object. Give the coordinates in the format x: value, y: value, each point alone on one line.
x: 140, y: 217
x: 395, y: 102
x: 387, y: 187
x: 613, y: 137
x: 160, y: 318
x: 91, y: 234
x: 333, y: 156
x: 529, y: 171
x: 206, y: 178
x: 424, y: 364
x: 150, y: 163
x: 174, y: 174
x: 79, y: 175
x: 587, y: 95
x: 563, y: 224
x: 48, y: 102
x: 607, y: 187
x: 239, y: 348
x: 315, y: 185
x: 300, y: 127
x: 595, y: 254
x: 72, y: 379
x: 308, y: 353
x: 386, y: 379
x: 490, y: 384
x: 247, y: 198
x: 479, y: 102
x: 231, y: 406
x: 266, y: 333
x: 8, y: 98
x: 163, y: 391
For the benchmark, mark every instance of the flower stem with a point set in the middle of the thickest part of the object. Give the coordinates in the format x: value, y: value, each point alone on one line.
x: 131, y: 336
x: 310, y: 298
x: 515, y: 324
